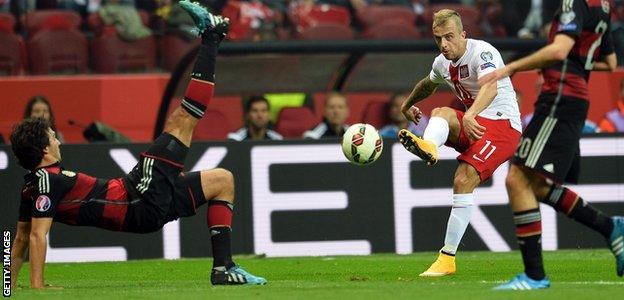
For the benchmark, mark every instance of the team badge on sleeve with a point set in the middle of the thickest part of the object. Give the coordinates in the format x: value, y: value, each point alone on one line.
x: 68, y: 173
x: 487, y: 56
x: 487, y: 65
x: 43, y: 203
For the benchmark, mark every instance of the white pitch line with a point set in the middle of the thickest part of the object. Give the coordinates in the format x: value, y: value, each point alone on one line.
x: 568, y: 282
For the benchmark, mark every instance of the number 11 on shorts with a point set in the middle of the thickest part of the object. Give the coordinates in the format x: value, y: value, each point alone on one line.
x: 480, y: 157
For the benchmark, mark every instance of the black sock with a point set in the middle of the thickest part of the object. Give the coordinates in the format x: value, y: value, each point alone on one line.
x: 200, y: 89
x: 529, y: 234
x: 221, y: 247
x: 569, y: 203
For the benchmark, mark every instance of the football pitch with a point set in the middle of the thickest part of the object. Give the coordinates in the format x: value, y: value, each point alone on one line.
x: 581, y: 274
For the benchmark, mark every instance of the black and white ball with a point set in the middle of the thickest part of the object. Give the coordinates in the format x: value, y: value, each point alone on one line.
x: 362, y: 144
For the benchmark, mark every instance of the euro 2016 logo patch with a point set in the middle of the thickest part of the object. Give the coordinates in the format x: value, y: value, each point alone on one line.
x: 43, y: 203
x: 463, y: 72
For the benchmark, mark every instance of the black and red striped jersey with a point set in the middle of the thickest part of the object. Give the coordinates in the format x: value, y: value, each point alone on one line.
x: 74, y: 198
x: 588, y: 22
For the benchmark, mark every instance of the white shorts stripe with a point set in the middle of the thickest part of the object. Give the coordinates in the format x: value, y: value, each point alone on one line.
x: 540, y: 141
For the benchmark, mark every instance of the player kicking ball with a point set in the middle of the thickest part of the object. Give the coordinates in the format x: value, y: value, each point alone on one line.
x: 155, y: 192
x: 485, y: 135
x: 549, y: 154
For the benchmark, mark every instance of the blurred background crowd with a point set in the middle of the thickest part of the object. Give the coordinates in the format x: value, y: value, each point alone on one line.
x: 77, y: 37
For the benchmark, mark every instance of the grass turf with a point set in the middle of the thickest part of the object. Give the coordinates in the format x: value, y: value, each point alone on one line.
x: 575, y: 275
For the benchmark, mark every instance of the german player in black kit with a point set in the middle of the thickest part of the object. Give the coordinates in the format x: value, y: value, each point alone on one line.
x: 548, y: 154
x: 155, y: 192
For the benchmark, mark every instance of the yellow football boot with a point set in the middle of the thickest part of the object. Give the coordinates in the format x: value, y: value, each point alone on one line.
x: 444, y: 265
x: 426, y: 150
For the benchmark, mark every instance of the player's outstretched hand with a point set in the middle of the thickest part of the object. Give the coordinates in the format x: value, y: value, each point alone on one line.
x: 473, y: 129
x: 494, y: 76
x: 412, y: 114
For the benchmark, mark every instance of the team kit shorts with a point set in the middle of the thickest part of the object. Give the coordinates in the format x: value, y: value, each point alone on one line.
x: 495, y: 147
x: 550, y: 142
x: 161, y: 191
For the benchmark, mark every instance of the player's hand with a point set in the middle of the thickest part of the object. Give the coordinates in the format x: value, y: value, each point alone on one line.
x: 412, y: 113
x: 494, y: 76
x: 472, y: 128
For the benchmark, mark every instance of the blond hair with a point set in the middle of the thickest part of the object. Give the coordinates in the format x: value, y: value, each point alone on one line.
x: 441, y: 17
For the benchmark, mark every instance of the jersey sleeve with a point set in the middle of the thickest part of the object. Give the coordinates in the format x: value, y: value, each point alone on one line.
x: 487, y: 60
x: 435, y: 76
x: 47, y: 195
x: 571, y: 18
x: 606, y: 46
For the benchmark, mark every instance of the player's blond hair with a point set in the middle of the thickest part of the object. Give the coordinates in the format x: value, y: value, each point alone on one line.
x: 441, y: 17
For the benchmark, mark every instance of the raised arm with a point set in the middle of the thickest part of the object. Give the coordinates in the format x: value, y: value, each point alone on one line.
x: 423, y: 89
x: 20, y: 244
x: 38, y: 246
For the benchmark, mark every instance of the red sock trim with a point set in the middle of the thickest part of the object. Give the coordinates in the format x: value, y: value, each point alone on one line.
x: 529, y: 229
x: 219, y: 214
x: 200, y: 91
x: 568, y: 201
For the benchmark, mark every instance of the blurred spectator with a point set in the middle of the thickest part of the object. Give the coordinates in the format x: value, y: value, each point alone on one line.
x: 617, y: 29
x: 614, y: 120
x: 257, y: 121
x: 398, y: 120
x: 39, y: 107
x: 514, y: 13
x: 334, y: 119
x: 126, y: 19
x: 588, y: 127
x: 177, y: 20
x: 5, y: 5
x: 83, y: 7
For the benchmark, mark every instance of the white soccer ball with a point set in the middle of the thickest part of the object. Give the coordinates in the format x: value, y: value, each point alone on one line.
x: 362, y: 144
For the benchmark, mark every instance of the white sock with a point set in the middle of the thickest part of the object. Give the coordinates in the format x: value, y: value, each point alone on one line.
x: 437, y: 131
x: 458, y: 221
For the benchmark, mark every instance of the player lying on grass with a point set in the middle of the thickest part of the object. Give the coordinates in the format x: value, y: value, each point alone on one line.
x: 485, y: 135
x: 548, y: 154
x: 155, y: 192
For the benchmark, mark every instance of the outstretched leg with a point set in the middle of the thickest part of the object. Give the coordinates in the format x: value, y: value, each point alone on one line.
x: 217, y: 185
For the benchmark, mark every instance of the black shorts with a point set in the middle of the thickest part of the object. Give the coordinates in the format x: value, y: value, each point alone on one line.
x: 550, y: 142
x: 158, y: 190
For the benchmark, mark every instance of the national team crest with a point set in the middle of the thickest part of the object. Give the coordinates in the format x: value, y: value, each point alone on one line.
x: 43, y: 203
x: 463, y: 72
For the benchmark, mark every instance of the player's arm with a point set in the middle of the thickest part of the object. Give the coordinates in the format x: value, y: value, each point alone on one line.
x: 608, y: 64
x: 38, y: 246
x: 20, y: 245
x: 554, y: 52
x: 486, y: 94
x: 423, y: 89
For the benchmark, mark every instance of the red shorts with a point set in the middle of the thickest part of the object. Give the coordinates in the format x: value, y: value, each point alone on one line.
x: 497, y: 145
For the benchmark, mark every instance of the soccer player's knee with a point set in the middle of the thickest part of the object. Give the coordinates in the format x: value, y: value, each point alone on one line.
x: 443, y: 112
x: 464, y: 181
x: 226, y: 178
x: 512, y: 181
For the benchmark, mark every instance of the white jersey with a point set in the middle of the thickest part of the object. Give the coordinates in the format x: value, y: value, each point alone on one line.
x: 479, y: 59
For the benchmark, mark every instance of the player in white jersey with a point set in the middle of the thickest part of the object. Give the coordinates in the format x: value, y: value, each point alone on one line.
x: 485, y: 135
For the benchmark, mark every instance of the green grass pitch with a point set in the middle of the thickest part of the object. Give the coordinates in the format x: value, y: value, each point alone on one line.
x: 585, y: 274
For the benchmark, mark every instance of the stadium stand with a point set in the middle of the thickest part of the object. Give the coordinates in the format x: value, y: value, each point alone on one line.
x: 55, y: 44
x: 321, y: 22
x: 292, y: 122
x: 111, y: 54
x: 13, y: 50
x: 388, y: 22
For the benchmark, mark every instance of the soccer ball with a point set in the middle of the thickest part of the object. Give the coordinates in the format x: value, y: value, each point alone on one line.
x: 361, y: 144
